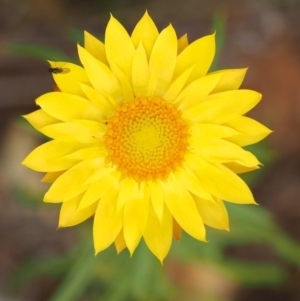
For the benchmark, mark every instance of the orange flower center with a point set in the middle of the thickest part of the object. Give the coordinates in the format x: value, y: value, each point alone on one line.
x: 146, y: 138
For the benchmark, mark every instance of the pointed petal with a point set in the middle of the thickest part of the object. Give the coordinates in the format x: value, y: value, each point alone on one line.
x: 68, y: 82
x: 200, y: 53
x: 183, y: 208
x: 190, y: 182
x: 71, y: 183
x: 224, y: 106
x: 182, y: 43
x: 99, y: 101
x: 135, y: 217
x: 177, y: 85
x: 124, y: 81
x: 209, y: 131
x: 214, y: 214
x: 40, y: 118
x: 127, y: 186
x: 101, y: 173
x: 48, y: 156
x: 95, y: 47
x: 146, y: 32
x: 119, y: 47
x: 239, y: 168
x: 99, y: 74
x: 87, y: 153
x: 70, y: 216
x: 83, y: 131
x: 221, y: 151
x: 162, y: 62
x: 107, y: 221
x: 96, y: 190
x: 120, y: 243
x: 50, y: 177
x: 250, y: 130
x: 157, y: 199
x: 219, y: 180
x: 68, y: 107
x: 231, y: 79
x: 140, y: 72
x: 158, y: 233
x: 197, y: 91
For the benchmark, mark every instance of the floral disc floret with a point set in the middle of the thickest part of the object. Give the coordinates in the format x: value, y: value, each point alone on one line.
x: 147, y: 138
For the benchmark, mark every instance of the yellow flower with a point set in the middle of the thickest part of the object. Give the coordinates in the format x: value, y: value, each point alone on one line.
x: 145, y: 139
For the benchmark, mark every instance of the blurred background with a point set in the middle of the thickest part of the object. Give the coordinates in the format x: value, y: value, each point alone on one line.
x: 259, y: 259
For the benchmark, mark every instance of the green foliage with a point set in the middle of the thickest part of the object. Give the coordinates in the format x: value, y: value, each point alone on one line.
x: 75, y: 35
x: 37, y: 51
x: 219, y: 27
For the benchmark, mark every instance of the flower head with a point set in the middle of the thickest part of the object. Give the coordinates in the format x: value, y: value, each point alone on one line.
x: 145, y: 139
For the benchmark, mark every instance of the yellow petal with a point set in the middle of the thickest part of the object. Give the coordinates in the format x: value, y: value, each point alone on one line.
x: 221, y: 151
x: 214, y: 214
x: 124, y: 82
x: 98, y: 175
x: 68, y: 82
x: 68, y: 107
x: 98, y: 100
x: 70, y: 216
x: 208, y: 131
x: 127, y: 187
x: 177, y: 85
x: 224, y: 106
x: 107, y: 221
x: 83, y: 131
x: 200, y: 53
x: 48, y: 156
x: 135, y: 217
x: 119, y: 47
x: 250, y: 130
x: 219, y: 180
x: 183, y: 208
x: 190, y: 182
x: 87, y: 153
x: 158, y: 233
x: 182, y: 43
x: 162, y: 62
x: 120, y: 243
x: 95, y: 47
x: 96, y: 190
x: 40, y: 119
x: 197, y: 91
x: 50, y: 177
x: 239, y: 168
x: 157, y: 199
x: 100, y: 75
x: 146, y: 32
x: 70, y: 184
x: 140, y: 72
x: 231, y: 79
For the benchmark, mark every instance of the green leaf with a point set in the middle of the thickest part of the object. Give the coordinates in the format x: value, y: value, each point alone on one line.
x: 218, y: 25
x: 37, y: 51
x: 54, y: 267
x: 75, y: 35
x: 138, y: 278
x: 286, y: 247
x: 78, y: 277
x: 254, y: 274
